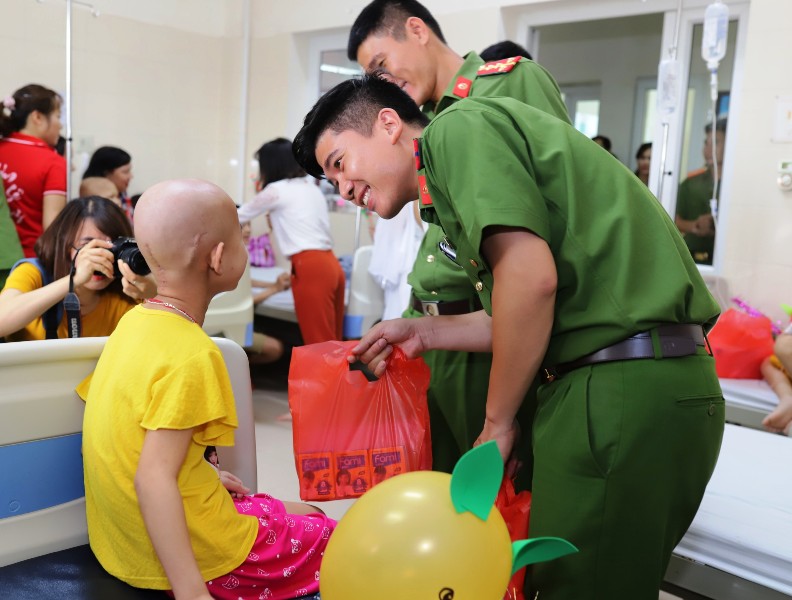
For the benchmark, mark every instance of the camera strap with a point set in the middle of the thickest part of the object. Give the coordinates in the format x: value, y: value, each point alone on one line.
x: 71, y: 304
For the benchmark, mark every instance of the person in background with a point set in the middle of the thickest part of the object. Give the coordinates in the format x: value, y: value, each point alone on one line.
x: 300, y: 220
x: 395, y: 247
x: 264, y: 349
x: 400, y: 41
x: 81, y: 235
x: 693, y: 208
x: 503, y: 50
x: 116, y: 165
x: 34, y: 174
x: 159, y: 515
x: 585, y: 282
x: 776, y: 370
x: 644, y: 158
x: 10, y: 248
x: 100, y: 186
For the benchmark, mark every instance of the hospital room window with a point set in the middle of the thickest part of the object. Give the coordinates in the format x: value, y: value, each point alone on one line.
x: 335, y: 67
x: 583, y: 105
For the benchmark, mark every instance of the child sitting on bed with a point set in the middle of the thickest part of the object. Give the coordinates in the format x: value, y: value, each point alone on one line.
x: 159, y: 515
x: 777, y: 370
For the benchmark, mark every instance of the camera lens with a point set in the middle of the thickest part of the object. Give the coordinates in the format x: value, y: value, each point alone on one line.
x: 126, y: 249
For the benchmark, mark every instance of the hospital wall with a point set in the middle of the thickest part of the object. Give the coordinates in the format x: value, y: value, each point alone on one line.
x: 162, y: 80
x: 167, y: 95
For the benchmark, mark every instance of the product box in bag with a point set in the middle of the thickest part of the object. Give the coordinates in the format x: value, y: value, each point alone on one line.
x: 353, y: 474
x: 317, y: 479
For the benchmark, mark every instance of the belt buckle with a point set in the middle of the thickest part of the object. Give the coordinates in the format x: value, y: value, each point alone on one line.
x: 430, y: 308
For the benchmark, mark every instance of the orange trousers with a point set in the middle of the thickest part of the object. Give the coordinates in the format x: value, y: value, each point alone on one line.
x: 318, y: 286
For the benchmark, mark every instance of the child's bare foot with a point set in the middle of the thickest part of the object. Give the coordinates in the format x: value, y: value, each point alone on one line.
x: 780, y: 420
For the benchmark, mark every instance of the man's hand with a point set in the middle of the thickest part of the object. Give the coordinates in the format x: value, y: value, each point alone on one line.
x: 506, y: 436
x: 377, y: 344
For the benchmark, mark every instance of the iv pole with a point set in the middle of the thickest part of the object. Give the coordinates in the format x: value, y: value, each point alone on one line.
x: 68, y: 98
x: 666, y: 125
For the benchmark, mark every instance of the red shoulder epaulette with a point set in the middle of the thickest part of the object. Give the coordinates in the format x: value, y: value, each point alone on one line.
x: 496, y: 67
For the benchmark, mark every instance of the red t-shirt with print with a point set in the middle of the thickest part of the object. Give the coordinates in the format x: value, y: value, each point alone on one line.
x: 30, y: 169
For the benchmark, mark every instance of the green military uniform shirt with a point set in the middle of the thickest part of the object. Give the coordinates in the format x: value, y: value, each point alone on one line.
x: 693, y: 200
x: 434, y: 276
x: 10, y: 248
x: 622, y: 266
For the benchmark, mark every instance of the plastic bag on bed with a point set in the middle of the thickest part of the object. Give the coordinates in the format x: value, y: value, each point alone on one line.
x: 740, y: 342
x: 351, y: 433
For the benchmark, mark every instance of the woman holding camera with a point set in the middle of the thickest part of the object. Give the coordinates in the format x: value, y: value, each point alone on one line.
x: 80, y: 236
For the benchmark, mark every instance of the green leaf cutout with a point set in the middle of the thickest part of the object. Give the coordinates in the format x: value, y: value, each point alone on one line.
x: 787, y: 309
x: 527, y: 552
x: 476, y: 480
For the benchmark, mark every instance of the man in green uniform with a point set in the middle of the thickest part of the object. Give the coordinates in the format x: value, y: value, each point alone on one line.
x: 10, y: 248
x: 401, y: 41
x: 584, y: 278
x: 693, y: 211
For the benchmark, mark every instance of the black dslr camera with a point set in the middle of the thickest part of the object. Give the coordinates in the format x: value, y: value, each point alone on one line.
x: 126, y: 249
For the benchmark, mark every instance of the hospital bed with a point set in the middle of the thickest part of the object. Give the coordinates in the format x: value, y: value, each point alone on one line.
x: 364, y: 297
x: 739, y: 546
x: 43, y: 532
x: 748, y: 401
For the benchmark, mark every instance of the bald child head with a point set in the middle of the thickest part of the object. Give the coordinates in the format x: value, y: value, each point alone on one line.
x: 189, y: 233
x: 100, y: 186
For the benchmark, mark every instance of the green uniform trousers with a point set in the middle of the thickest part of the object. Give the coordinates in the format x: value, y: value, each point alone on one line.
x: 457, y: 399
x: 623, y: 453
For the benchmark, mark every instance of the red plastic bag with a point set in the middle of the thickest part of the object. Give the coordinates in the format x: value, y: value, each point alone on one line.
x: 516, y: 511
x: 350, y: 433
x: 740, y: 342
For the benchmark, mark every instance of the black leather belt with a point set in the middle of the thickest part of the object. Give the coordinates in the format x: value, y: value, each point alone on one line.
x: 673, y: 341
x: 434, y: 308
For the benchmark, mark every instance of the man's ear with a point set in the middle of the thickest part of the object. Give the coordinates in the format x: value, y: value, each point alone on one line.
x: 390, y: 123
x: 416, y: 28
x: 216, y: 258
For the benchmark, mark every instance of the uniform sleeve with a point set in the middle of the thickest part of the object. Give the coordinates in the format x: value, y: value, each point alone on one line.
x: 684, y: 208
x: 483, y: 168
x: 261, y: 203
x: 195, y: 395
x: 55, y: 182
x: 25, y: 278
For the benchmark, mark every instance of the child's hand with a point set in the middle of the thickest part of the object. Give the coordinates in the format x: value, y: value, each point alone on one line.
x: 233, y: 484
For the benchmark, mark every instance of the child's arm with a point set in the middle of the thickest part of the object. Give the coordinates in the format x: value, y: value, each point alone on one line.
x: 780, y: 419
x: 156, y: 484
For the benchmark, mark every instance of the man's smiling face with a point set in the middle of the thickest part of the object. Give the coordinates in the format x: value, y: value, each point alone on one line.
x: 373, y: 171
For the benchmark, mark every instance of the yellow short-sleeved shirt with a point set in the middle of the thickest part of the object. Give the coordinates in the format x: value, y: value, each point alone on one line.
x: 101, y: 321
x: 159, y: 371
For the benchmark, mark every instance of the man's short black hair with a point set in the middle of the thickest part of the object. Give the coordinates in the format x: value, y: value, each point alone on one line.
x: 503, y: 50
x: 352, y: 104
x: 387, y: 17
x: 720, y: 125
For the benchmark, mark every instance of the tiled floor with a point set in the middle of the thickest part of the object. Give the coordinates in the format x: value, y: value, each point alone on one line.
x: 276, y: 472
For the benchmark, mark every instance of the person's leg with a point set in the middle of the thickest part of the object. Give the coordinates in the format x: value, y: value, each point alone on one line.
x: 314, y: 285
x: 264, y: 349
x: 780, y: 419
x: 339, y: 300
x: 623, y: 454
x: 285, y: 558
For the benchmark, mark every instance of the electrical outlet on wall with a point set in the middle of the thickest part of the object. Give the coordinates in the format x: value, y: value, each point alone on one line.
x: 785, y: 175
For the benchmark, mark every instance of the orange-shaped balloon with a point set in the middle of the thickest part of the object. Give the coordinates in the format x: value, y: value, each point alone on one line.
x: 405, y: 539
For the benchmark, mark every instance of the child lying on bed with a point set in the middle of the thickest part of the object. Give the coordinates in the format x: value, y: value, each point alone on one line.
x: 159, y: 515
x: 777, y: 371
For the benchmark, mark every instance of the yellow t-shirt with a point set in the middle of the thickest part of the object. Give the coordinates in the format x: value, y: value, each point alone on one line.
x: 159, y: 371
x: 101, y: 321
